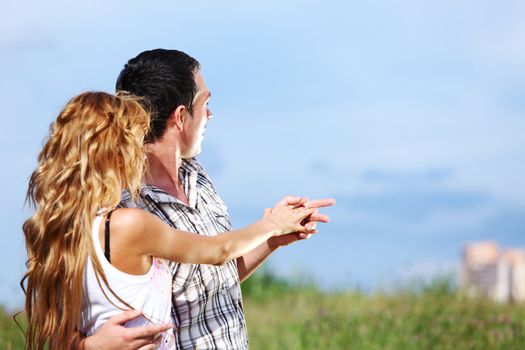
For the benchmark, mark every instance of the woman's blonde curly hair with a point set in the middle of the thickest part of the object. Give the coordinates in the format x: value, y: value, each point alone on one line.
x: 94, y: 150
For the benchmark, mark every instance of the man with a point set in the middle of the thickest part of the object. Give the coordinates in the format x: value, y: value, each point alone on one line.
x: 207, y: 304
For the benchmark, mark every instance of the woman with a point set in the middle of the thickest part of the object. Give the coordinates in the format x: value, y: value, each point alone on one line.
x: 87, y: 261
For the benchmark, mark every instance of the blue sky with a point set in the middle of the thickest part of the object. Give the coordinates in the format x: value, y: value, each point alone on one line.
x: 410, y: 113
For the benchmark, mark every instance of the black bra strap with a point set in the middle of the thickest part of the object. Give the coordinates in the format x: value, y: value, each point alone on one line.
x: 106, y: 237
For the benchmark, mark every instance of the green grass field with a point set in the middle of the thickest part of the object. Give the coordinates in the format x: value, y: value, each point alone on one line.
x: 11, y: 336
x: 433, y: 316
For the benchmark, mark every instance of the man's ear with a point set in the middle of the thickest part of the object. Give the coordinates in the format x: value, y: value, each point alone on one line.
x: 176, y: 118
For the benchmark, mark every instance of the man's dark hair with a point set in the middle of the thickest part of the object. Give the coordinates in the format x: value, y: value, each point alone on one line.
x: 165, y: 79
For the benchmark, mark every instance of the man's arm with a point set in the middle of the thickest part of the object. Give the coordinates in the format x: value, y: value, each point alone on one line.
x: 247, y: 264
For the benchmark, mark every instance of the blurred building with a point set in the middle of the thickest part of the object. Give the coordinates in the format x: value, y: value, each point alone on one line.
x: 489, y: 271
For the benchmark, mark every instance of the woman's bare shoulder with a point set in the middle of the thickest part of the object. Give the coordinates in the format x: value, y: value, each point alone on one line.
x: 130, y: 219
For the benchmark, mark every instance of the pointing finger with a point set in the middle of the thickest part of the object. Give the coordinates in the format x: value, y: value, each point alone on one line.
x: 320, y: 203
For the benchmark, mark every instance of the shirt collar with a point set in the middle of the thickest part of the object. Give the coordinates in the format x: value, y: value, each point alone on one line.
x: 188, y: 174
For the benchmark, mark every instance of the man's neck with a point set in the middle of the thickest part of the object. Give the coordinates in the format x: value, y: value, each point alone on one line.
x: 163, y: 172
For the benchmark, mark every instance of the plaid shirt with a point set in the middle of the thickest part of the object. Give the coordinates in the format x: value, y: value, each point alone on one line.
x: 207, y: 309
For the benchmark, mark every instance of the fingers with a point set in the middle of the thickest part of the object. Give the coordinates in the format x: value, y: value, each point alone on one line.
x: 149, y: 347
x: 320, y: 203
x: 301, y: 231
x: 153, y: 345
x: 146, y: 335
x: 310, y: 226
x: 158, y: 340
x: 151, y: 331
x: 296, y: 201
x: 291, y: 200
x: 301, y: 202
x: 319, y: 217
x: 303, y: 212
x: 125, y: 317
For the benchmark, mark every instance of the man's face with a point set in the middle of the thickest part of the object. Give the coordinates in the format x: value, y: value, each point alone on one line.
x: 195, y: 126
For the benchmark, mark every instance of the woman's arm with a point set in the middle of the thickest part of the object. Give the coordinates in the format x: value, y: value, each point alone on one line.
x: 149, y: 236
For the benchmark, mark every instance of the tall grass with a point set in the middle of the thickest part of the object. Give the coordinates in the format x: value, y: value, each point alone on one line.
x: 293, y: 316
x: 429, y: 316
x: 11, y: 336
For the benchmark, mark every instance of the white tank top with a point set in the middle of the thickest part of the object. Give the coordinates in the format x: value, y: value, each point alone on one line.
x: 150, y: 293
